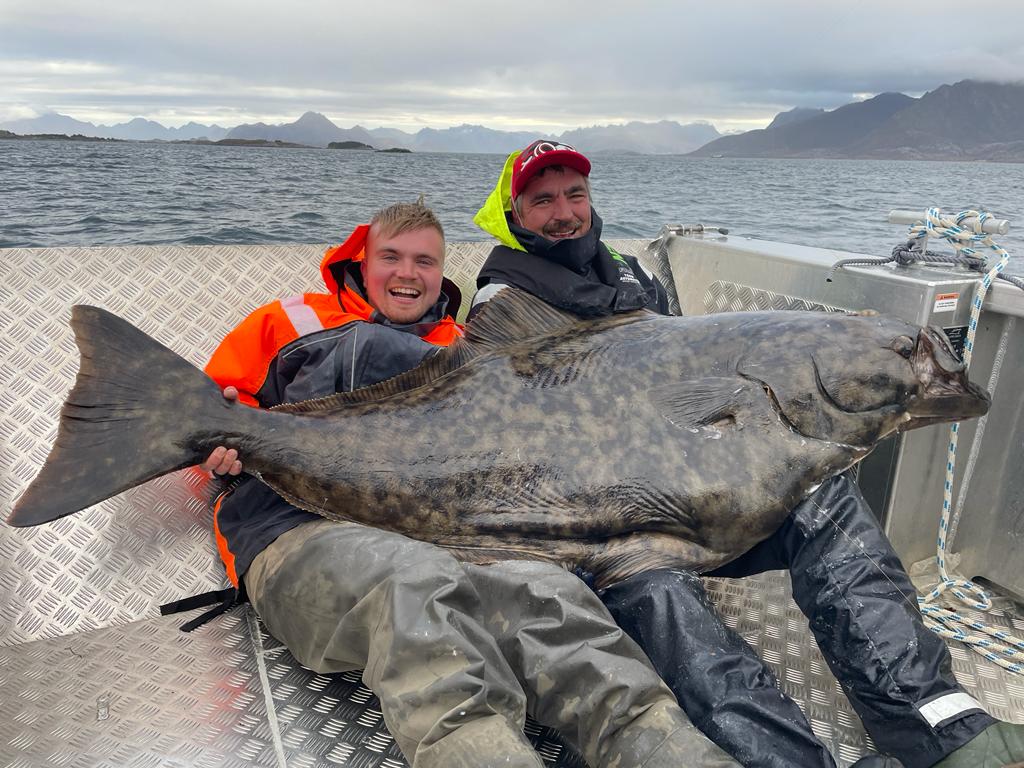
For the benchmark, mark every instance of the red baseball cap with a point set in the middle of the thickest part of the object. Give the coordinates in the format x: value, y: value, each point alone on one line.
x: 542, y: 154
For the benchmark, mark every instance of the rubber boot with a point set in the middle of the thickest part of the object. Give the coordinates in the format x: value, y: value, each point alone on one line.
x: 998, y: 746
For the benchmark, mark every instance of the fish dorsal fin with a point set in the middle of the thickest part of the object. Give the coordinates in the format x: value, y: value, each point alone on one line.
x: 510, y: 317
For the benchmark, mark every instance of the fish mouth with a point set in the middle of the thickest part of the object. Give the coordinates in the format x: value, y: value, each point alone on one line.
x: 945, y: 394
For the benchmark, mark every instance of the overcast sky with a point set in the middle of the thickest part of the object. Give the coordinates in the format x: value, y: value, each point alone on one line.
x: 515, y: 65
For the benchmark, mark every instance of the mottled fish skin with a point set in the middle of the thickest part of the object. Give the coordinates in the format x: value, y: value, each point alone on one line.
x: 617, y: 445
x: 614, y: 445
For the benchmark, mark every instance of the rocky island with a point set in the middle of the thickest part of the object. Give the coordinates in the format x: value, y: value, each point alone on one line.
x: 348, y: 145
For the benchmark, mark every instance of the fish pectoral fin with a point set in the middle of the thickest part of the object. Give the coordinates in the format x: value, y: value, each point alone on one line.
x: 695, y: 403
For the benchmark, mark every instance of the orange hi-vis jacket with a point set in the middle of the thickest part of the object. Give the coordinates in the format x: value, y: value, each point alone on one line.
x: 307, y: 346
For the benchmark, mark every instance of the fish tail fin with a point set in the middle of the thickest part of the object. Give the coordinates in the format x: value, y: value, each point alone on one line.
x: 131, y: 416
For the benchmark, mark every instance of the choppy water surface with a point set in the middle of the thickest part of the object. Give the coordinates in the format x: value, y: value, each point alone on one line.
x: 82, y: 193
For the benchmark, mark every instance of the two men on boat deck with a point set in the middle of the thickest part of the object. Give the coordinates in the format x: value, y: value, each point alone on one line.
x: 845, y: 576
x: 456, y: 653
x: 392, y: 603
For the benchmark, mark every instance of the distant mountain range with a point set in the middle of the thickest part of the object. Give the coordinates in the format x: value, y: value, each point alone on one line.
x: 662, y: 138
x: 138, y: 129
x: 651, y: 138
x: 315, y: 130
x: 970, y: 120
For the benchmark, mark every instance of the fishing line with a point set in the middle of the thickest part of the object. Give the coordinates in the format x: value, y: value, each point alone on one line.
x: 979, y: 432
x: 910, y: 600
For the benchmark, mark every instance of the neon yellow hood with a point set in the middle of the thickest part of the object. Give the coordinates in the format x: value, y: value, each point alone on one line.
x: 491, y: 217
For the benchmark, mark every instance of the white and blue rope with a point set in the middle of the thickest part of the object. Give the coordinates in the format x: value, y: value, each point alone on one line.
x: 1003, y: 649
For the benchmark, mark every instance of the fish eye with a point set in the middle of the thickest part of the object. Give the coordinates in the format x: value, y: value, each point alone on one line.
x: 903, y: 346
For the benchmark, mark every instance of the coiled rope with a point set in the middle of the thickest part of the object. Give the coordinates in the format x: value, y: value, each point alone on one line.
x: 995, y: 645
x: 911, y: 252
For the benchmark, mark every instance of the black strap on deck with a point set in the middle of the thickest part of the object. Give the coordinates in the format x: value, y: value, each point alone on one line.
x: 225, y: 600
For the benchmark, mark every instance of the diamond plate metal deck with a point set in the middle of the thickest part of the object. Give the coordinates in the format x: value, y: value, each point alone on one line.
x: 139, y: 694
x: 723, y: 296
x: 227, y: 695
x: 89, y: 678
x: 115, y: 562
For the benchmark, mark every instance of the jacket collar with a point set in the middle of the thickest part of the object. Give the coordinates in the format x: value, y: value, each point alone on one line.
x: 353, y: 249
x: 575, y: 253
x: 491, y: 217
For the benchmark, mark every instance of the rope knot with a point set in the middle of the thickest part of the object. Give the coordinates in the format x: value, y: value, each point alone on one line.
x: 950, y: 230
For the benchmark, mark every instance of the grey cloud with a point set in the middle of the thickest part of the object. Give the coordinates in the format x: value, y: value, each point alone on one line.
x: 448, y: 62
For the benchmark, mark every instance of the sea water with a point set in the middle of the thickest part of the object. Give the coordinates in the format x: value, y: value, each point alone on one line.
x: 59, y: 193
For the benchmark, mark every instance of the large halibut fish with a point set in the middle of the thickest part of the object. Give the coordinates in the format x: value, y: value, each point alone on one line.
x: 613, y: 445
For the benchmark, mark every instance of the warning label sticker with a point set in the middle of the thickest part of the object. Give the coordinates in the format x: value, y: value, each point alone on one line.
x: 946, y: 302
